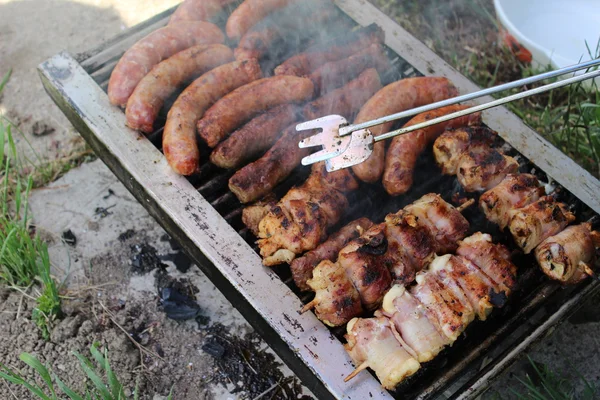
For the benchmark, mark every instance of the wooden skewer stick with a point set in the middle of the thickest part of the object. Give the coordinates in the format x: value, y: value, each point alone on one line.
x: 465, y: 205
x: 309, y: 306
x: 358, y: 369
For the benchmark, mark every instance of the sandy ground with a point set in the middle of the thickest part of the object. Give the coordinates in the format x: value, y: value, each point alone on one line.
x: 101, y: 264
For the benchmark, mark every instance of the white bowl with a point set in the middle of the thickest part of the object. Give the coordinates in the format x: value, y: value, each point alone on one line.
x: 554, y: 31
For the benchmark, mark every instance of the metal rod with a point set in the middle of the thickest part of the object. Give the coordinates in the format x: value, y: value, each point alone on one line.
x: 471, y: 110
x: 495, y: 89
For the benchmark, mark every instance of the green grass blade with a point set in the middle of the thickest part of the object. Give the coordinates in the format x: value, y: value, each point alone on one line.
x: 40, y: 368
x: 113, y: 382
x: 5, y: 79
x: 13, y: 377
x: 96, y: 380
x: 66, y: 390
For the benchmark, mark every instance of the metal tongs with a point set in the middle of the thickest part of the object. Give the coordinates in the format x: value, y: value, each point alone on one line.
x: 345, y: 145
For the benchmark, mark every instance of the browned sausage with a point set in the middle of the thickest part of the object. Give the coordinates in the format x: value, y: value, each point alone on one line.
x: 163, y: 80
x: 152, y: 49
x: 179, y: 137
x: 395, y: 97
x: 336, y: 73
x: 254, y: 138
x: 245, y: 102
x: 249, y: 13
x: 341, y: 47
x: 285, y: 28
x: 198, y: 10
x: 404, y: 150
x: 347, y: 100
x: 257, y: 179
x: 302, y: 267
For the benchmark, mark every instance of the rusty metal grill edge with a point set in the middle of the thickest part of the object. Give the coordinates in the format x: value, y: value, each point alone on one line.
x: 232, y: 265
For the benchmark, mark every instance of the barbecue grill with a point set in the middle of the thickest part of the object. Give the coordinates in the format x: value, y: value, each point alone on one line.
x: 205, y: 218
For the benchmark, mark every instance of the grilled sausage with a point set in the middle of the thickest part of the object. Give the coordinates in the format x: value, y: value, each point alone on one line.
x: 336, y: 73
x: 150, y: 94
x: 249, y: 13
x: 245, y: 102
x: 254, y: 138
x: 344, y: 46
x: 257, y: 179
x: 347, y: 100
x: 198, y: 10
x: 285, y: 29
x: 398, y: 96
x: 152, y: 49
x: 179, y: 137
x: 404, y: 150
x: 302, y: 267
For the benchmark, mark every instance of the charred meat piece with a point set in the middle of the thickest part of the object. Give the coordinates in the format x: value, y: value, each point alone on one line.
x: 446, y: 224
x: 450, y: 146
x: 302, y: 267
x: 411, y: 246
x: 347, y: 100
x: 336, y: 300
x: 373, y: 344
x: 254, y: 138
x: 299, y: 221
x: 493, y: 259
x: 414, y: 323
x: 341, y: 47
x: 334, y: 74
x: 404, y: 150
x: 365, y: 264
x: 569, y: 255
x: 453, y: 313
x: 482, y: 168
x: 257, y: 179
x: 514, y: 192
x: 532, y: 224
x: 254, y: 213
x: 284, y: 29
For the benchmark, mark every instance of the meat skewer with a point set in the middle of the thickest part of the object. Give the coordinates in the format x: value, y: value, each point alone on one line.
x: 305, y: 63
x: 393, y: 251
x: 568, y: 256
x: 302, y: 267
x: 482, y: 168
x: 414, y: 325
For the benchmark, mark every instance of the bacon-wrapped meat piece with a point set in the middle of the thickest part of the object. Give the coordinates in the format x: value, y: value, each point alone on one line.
x: 532, y: 224
x: 299, y: 222
x: 482, y: 168
x: 415, y: 323
x: 450, y: 146
x: 302, y: 267
x: 336, y: 300
x: 373, y: 344
x: 569, y: 255
x: 514, y: 192
x: 446, y: 224
x: 493, y: 259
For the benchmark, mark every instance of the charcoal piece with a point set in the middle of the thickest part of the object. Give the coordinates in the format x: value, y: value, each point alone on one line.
x: 69, y: 237
x: 178, y: 306
x: 213, y: 348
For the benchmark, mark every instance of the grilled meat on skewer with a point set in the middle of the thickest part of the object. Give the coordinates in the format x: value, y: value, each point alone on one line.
x: 302, y: 267
x: 482, y: 168
x: 423, y: 319
x: 532, y: 224
x: 304, y: 64
x: 336, y: 300
x: 372, y: 343
x: 569, y: 255
x: 515, y: 191
x: 254, y: 213
x: 493, y: 259
x: 299, y: 221
x: 450, y: 146
x: 393, y: 251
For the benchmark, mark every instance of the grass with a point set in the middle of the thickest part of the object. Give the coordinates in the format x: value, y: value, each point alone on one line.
x: 24, y: 259
x: 465, y: 34
x: 104, y: 384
